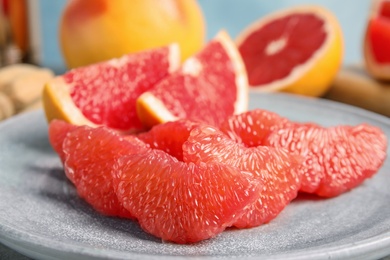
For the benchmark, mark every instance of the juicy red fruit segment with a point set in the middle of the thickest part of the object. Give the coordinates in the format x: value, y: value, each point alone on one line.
x: 178, y: 201
x: 336, y: 159
x: 169, y: 137
x: 124, y: 79
x: 276, y: 169
x: 285, y: 43
x: 89, y: 156
x: 58, y: 130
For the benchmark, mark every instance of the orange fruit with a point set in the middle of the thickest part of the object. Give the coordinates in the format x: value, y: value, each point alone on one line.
x: 98, y: 30
x: 208, y: 87
x: 276, y: 169
x: 105, y: 93
x: 336, y: 159
x: 377, y: 41
x: 296, y: 50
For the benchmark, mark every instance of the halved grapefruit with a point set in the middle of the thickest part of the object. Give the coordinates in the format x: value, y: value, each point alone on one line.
x: 297, y: 50
x: 105, y: 93
x: 377, y: 41
x: 209, y: 87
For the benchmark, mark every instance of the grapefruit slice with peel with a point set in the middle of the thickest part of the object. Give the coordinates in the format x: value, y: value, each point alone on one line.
x: 208, y: 87
x: 105, y: 93
x: 297, y: 50
x: 276, y: 169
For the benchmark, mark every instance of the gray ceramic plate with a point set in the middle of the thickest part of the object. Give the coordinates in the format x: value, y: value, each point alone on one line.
x: 42, y: 217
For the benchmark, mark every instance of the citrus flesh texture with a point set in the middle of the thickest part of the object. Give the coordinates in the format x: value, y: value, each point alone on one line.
x: 95, y: 31
x: 105, y: 93
x: 89, y: 156
x: 298, y: 50
x: 274, y: 168
x: 57, y: 132
x: 336, y: 159
x: 169, y: 136
x: 179, y: 201
x: 174, y: 200
x: 208, y: 87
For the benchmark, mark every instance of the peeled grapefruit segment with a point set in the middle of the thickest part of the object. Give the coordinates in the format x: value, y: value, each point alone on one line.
x: 274, y: 168
x: 336, y: 159
x: 58, y: 131
x: 169, y: 136
x: 178, y: 201
x: 89, y: 156
x: 377, y: 41
x: 298, y: 50
x: 208, y: 87
x: 105, y: 93
x: 341, y: 157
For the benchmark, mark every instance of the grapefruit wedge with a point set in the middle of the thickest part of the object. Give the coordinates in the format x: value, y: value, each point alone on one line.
x: 105, y: 93
x: 297, y: 50
x: 377, y: 41
x: 209, y: 87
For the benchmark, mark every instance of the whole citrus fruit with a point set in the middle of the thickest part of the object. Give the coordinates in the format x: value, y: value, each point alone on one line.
x: 297, y: 50
x: 97, y: 30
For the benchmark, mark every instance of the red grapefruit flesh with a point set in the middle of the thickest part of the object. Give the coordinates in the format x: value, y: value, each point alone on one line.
x: 341, y: 157
x: 336, y: 159
x: 208, y: 87
x: 282, y: 43
x: 276, y: 170
x: 105, y: 93
x: 89, y: 156
x: 169, y: 136
x: 253, y: 127
x: 58, y: 130
x: 178, y: 201
x: 298, y: 49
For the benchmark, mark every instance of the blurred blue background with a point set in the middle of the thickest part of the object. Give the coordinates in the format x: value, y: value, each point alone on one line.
x: 232, y: 15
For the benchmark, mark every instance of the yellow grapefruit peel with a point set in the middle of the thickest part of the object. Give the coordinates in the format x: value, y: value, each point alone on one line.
x: 58, y: 104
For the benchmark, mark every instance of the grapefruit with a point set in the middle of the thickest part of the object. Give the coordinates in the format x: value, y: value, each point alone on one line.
x: 336, y: 159
x: 89, y: 156
x: 94, y: 31
x: 208, y: 87
x: 274, y: 168
x: 169, y: 136
x: 179, y: 201
x: 339, y: 158
x: 297, y: 50
x: 58, y: 130
x: 377, y: 41
x: 105, y: 93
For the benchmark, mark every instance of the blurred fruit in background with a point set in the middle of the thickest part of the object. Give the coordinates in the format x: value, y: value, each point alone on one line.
x: 298, y: 50
x: 377, y: 40
x: 97, y: 30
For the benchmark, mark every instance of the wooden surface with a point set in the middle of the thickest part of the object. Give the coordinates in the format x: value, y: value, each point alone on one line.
x: 354, y: 86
